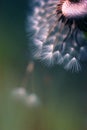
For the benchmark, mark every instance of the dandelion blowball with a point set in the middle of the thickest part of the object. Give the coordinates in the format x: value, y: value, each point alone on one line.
x: 56, y: 31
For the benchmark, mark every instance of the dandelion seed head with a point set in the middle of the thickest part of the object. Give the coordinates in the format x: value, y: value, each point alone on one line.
x: 58, y: 37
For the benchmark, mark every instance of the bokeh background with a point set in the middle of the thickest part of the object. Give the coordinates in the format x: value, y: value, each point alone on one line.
x: 63, y: 94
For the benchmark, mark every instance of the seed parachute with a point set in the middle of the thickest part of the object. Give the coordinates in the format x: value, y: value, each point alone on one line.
x: 56, y: 32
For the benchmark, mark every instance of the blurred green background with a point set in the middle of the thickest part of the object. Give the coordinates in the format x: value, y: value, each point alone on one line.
x: 63, y: 94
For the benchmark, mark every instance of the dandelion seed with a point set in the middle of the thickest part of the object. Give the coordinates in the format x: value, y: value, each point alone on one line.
x: 19, y: 93
x: 58, y: 32
x: 47, y: 57
x: 32, y: 100
x: 66, y: 58
x: 73, y: 65
x: 83, y: 53
x: 58, y: 57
